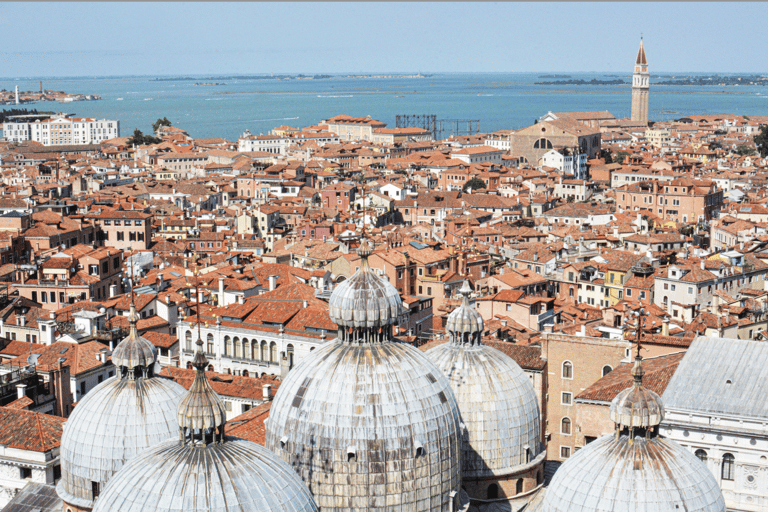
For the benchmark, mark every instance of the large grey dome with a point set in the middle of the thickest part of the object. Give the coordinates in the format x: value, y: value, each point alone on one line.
x: 235, y: 475
x: 498, y: 405
x: 204, y: 470
x: 622, y: 476
x: 365, y: 300
x: 371, y: 427
x: 118, y: 419
x: 634, y: 469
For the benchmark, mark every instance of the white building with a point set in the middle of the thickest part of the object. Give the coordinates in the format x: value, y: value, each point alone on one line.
x: 63, y: 130
x: 715, y: 407
x: 566, y: 162
x: 267, y: 143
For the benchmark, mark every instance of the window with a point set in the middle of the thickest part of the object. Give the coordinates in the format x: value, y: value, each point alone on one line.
x: 701, y: 455
x: 606, y: 370
x: 728, y: 467
x: 565, y: 452
x: 566, y: 398
x: 25, y: 473
x: 567, y: 370
x: 565, y: 427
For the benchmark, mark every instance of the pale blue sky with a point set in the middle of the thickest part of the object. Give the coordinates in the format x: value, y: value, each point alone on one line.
x: 92, y: 38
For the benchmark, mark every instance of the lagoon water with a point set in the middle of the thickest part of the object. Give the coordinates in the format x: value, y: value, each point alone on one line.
x: 498, y: 100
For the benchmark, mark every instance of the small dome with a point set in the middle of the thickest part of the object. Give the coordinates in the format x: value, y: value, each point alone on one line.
x: 637, y: 406
x: 370, y: 427
x: 201, y: 408
x: 134, y: 350
x: 234, y: 475
x: 635, y: 475
x: 498, y: 405
x: 465, y: 324
x: 115, y: 421
x: 365, y: 300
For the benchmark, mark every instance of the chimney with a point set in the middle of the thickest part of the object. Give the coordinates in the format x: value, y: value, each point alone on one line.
x: 583, y: 330
x: 272, y: 282
x: 21, y: 389
x: 665, y: 326
x: 160, y: 283
x: 62, y: 390
x: 304, y: 303
x: 221, y: 291
x: 266, y: 392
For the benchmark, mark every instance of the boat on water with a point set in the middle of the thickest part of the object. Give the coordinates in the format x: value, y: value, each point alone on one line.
x: 149, y: 99
x: 119, y: 99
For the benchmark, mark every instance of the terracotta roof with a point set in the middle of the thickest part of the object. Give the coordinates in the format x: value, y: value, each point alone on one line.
x: 32, y: 431
x: 250, y: 425
x: 658, y: 372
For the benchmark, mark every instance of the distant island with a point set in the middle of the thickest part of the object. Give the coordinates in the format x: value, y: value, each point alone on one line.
x: 209, y: 83
x: 718, y: 80
x: 594, y: 81
x: 210, y: 80
x: 554, y: 76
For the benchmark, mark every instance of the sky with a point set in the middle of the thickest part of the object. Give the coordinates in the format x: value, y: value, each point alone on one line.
x: 198, y: 38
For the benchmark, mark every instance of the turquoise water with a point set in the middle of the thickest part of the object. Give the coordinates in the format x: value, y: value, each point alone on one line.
x: 497, y: 100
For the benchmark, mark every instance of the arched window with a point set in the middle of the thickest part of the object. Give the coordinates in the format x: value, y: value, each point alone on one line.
x: 289, y: 352
x: 542, y: 144
x: 189, y: 365
x: 254, y: 350
x: 606, y: 370
x: 209, y: 344
x: 188, y: 340
x: 519, y: 486
x: 702, y: 455
x: 728, y: 466
x: 273, y: 352
x: 228, y: 347
x: 235, y: 347
x: 567, y: 370
x: 565, y: 427
x: 493, y: 492
x: 264, y: 353
x: 245, y: 373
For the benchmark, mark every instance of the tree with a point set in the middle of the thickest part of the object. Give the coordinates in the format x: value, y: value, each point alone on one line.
x: 140, y: 139
x: 160, y: 122
x: 761, y: 141
x: 743, y: 149
x: 620, y: 157
x: 474, y: 184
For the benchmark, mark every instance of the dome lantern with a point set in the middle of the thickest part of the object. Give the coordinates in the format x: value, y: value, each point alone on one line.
x: 465, y: 324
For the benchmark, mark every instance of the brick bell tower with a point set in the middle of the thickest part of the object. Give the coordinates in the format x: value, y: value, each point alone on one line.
x: 640, y: 80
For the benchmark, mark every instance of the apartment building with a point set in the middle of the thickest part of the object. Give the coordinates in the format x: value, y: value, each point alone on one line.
x: 276, y: 144
x: 123, y: 229
x: 681, y: 200
x: 62, y: 130
x: 353, y: 128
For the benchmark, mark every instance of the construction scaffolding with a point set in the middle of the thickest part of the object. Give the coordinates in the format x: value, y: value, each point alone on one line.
x: 439, y: 127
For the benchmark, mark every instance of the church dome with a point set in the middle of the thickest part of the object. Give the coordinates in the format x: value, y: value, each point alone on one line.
x: 365, y: 300
x: 634, y: 469
x: 134, y: 350
x: 204, y: 470
x: 497, y: 404
x: 115, y: 421
x: 465, y: 322
x: 369, y: 423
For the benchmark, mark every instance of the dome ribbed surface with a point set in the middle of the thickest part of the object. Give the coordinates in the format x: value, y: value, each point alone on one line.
x: 236, y: 475
x: 637, y: 407
x: 201, y: 408
x: 134, y: 351
x: 371, y: 427
x: 365, y: 300
x: 465, y: 319
x: 498, y: 405
x: 115, y: 421
x: 614, y: 475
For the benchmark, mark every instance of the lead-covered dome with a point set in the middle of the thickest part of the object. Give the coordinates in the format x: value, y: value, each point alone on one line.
x: 370, y: 427
x: 204, y: 470
x: 115, y: 421
x: 134, y: 351
x: 634, y: 469
x: 365, y: 300
x: 370, y: 423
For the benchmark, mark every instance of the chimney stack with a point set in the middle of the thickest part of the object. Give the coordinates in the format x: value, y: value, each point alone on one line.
x: 272, y: 282
x: 21, y: 390
x: 665, y: 326
x: 267, y: 392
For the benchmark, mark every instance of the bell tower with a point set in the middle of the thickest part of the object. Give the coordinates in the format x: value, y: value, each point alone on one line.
x: 640, y: 80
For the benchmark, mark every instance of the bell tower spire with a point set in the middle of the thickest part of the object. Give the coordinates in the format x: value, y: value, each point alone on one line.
x: 640, y: 85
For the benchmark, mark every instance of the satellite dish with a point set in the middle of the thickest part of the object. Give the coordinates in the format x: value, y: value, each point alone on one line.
x: 32, y: 359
